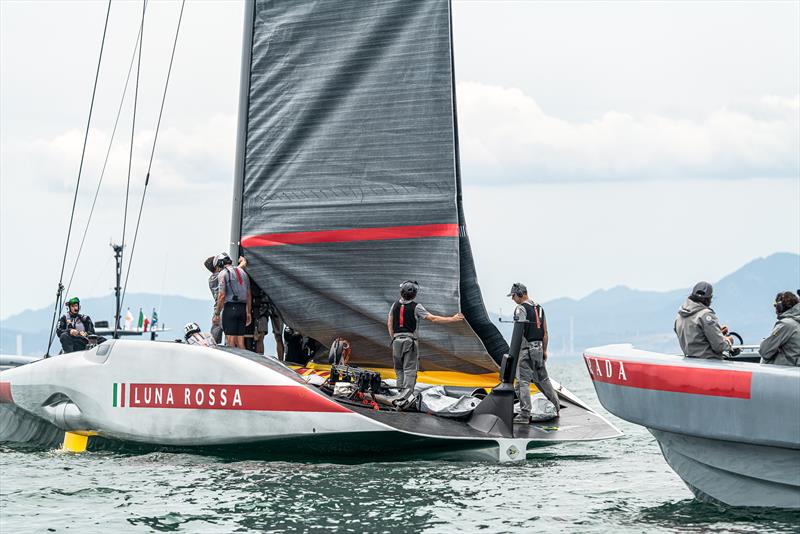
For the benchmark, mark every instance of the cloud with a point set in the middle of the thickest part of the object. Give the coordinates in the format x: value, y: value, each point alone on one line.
x: 507, y: 137
x: 185, y: 159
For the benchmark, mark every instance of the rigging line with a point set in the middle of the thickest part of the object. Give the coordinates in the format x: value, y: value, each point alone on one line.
x: 130, y: 158
x: 152, y: 152
x: 60, y: 289
x: 105, y: 162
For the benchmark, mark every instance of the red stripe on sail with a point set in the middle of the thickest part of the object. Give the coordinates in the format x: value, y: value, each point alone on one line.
x: 230, y: 397
x: 353, y: 234
x: 674, y: 378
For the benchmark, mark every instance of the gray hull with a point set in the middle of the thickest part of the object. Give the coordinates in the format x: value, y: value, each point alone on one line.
x: 730, y: 430
x: 736, y: 474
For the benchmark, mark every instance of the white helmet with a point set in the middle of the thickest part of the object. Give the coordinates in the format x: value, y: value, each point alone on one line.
x: 190, y: 328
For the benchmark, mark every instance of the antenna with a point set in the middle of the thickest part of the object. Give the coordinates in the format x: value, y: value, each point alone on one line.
x: 118, y: 287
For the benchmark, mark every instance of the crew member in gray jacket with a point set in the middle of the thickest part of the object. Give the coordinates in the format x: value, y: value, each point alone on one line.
x: 782, y: 347
x: 699, y: 332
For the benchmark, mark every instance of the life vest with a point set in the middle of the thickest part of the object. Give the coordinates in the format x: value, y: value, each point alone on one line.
x: 78, y: 322
x: 236, y: 284
x: 404, y: 319
x: 534, y: 327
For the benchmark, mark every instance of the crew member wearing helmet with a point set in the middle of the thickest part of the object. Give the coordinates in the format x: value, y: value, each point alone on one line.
x: 782, y: 347
x: 697, y: 327
x: 194, y: 336
x: 234, y: 301
x: 403, y: 323
x: 74, y: 328
x: 532, y: 353
x: 213, y: 285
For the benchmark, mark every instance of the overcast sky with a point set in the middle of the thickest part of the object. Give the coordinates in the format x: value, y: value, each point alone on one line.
x: 657, y: 143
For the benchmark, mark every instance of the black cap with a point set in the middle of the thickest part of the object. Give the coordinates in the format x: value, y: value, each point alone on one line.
x: 702, y: 290
x: 518, y: 289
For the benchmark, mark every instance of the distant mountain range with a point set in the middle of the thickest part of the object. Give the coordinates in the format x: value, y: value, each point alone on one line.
x: 743, y: 300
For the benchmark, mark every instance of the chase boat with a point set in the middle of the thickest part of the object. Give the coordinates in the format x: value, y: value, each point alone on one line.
x: 729, y: 429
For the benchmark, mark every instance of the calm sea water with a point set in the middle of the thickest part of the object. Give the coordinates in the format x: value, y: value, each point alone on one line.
x: 620, y: 485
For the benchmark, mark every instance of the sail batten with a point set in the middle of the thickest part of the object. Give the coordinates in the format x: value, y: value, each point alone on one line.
x: 350, y: 183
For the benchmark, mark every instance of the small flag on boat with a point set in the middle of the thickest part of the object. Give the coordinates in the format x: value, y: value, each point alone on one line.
x: 154, y: 320
x: 141, y: 320
x: 146, y: 322
x: 128, y: 320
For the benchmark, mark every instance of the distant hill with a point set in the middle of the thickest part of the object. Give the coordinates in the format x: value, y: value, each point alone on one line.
x: 743, y: 300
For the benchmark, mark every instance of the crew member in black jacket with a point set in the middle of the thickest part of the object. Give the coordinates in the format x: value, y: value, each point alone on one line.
x: 74, y: 328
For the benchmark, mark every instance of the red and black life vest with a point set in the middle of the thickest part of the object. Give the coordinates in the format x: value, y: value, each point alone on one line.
x: 534, y: 327
x: 403, y: 318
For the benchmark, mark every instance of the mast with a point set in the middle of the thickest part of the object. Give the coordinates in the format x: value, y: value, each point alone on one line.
x: 241, y: 129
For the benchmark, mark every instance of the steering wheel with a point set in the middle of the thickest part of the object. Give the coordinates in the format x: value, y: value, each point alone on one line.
x: 737, y: 336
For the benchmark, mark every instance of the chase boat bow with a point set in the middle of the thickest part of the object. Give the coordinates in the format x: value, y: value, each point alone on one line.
x: 731, y: 430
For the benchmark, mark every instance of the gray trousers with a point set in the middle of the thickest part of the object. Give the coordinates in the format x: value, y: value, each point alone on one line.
x: 531, y: 369
x: 405, y: 355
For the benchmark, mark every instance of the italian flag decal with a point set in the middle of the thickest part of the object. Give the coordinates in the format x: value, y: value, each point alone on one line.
x: 118, y: 398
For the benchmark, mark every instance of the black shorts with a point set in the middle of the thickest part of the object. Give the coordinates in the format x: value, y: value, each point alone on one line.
x: 234, y: 316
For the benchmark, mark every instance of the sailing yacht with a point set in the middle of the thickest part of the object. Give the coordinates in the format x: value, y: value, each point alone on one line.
x: 347, y: 181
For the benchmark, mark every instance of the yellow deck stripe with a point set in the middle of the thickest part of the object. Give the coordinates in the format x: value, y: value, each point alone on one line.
x: 443, y: 378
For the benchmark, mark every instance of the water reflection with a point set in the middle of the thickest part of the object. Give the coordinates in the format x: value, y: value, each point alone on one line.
x: 694, y: 516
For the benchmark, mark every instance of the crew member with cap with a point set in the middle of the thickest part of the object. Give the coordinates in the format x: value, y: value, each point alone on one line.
x: 234, y: 301
x: 532, y: 353
x: 213, y: 285
x: 403, y: 324
x: 782, y: 347
x: 697, y: 327
x: 74, y: 328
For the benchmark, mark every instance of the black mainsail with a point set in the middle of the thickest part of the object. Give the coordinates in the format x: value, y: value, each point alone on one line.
x: 348, y: 177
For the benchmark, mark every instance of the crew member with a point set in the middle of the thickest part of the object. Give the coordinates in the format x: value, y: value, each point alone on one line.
x: 266, y: 314
x: 74, y: 328
x: 532, y: 353
x: 194, y: 336
x: 403, y: 323
x: 294, y: 344
x: 234, y: 301
x: 697, y: 327
x: 782, y: 347
x: 213, y: 285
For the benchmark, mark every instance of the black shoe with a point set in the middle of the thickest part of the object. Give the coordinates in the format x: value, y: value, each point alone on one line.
x: 522, y: 419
